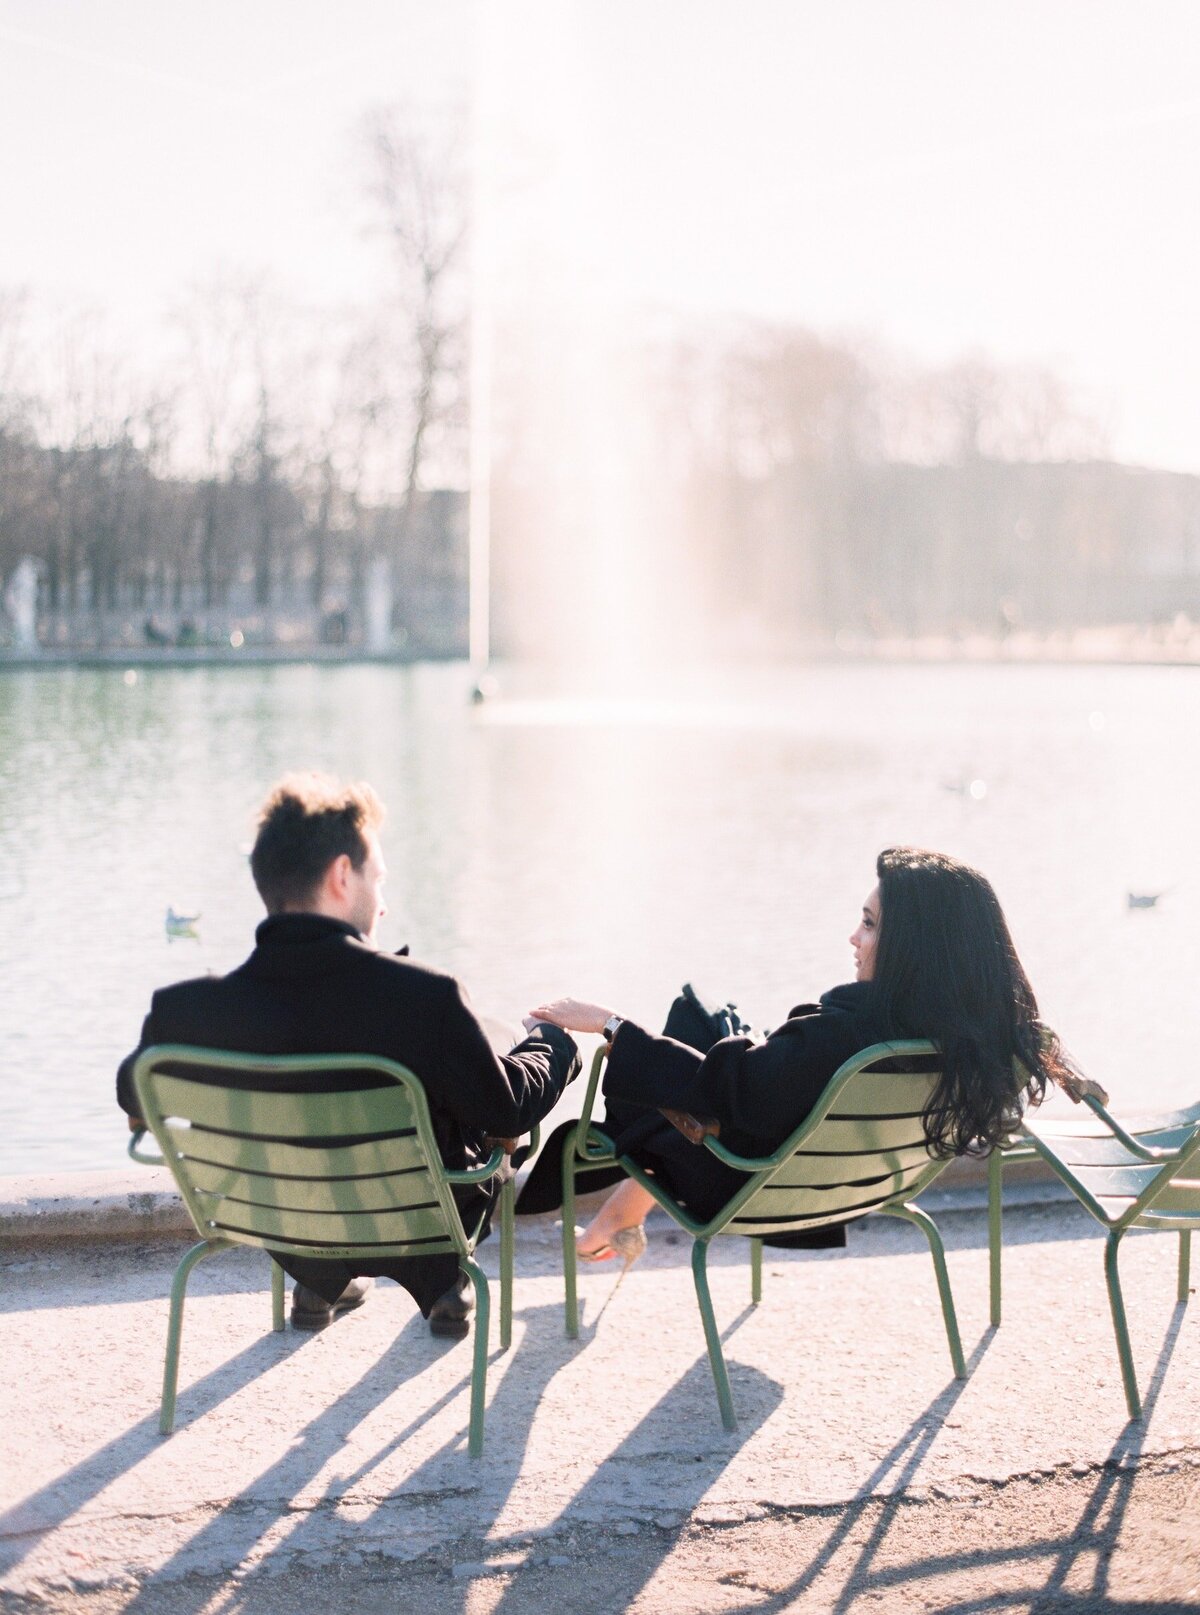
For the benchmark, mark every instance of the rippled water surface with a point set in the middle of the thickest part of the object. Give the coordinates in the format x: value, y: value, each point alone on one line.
x: 609, y: 846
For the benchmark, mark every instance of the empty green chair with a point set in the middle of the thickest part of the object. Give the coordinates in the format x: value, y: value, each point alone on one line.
x: 350, y: 1174
x: 1146, y: 1175
x: 861, y: 1150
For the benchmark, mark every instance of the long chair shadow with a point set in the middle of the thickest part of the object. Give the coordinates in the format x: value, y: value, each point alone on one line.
x: 1108, y: 1504
x: 238, y: 1527
x: 54, y: 1504
x: 1115, y: 1485
x: 899, y: 1465
x: 759, y: 1397
x: 502, y: 1467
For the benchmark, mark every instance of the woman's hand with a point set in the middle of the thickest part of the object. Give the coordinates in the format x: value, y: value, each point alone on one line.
x: 573, y: 1015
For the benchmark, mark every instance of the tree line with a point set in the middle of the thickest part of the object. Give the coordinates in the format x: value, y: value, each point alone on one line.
x: 277, y: 470
x: 787, y: 488
x: 272, y: 456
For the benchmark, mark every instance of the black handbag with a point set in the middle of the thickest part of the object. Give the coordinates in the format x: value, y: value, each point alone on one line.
x: 699, y: 1023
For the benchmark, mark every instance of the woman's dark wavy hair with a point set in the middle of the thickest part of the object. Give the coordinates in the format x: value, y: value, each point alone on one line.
x: 946, y: 969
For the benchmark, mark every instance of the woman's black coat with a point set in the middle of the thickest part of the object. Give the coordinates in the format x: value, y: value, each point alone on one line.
x: 759, y: 1092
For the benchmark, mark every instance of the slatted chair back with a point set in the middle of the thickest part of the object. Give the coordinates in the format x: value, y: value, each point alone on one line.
x: 350, y: 1174
x: 862, y: 1147
x: 353, y: 1173
x: 1151, y: 1179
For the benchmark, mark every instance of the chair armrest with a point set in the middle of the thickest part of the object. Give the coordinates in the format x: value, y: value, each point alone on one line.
x: 1144, y: 1152
x: 478, y: 1174
x: 583, y: 1130
x: 746, y: 1163
x: 136, y: 1154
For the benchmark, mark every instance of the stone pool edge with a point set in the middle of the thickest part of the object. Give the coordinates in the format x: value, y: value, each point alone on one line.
x: 143, y: 1203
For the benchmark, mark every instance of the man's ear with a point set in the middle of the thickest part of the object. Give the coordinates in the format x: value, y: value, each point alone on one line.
x: 337, y: 876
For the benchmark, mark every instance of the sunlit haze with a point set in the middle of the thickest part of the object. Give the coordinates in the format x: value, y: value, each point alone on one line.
x: 1014, y: 178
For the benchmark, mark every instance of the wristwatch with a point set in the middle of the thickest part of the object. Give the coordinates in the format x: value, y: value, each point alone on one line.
x: 610, y: 1028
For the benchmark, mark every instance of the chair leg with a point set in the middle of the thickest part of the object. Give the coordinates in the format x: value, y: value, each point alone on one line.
x: 276, y: 1296
x: 712, y: 1338
x: 995, y: 1229
x: 1116, y: 1301
x: 507, y: 1243
x: 479, y: 1362
x: 755, y: 1271
x: 207, y: 1247
x: 1185, y: 1254
x: 568, y: 1235
x: 937, y: 1250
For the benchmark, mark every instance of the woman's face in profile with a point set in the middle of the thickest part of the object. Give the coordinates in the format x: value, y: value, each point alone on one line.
x: 866, y: 938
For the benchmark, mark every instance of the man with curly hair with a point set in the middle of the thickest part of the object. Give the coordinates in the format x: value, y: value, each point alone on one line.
x: 316, y: 983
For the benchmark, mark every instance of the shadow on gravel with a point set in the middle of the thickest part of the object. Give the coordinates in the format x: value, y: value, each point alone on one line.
x: 236, y: 1531
x: 55, y: 1503
x: 756, y: 1398
x: 239, y: 1525
x: 1094, y: 1534
x: 896, y: 1469
x: 448, y: 1474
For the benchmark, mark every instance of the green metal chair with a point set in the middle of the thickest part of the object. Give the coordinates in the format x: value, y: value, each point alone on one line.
x: 345, y: 1175
x: 1146, y: 1175
x: 861, y: 1150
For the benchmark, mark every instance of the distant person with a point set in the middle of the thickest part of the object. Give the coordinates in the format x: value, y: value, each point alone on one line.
x: 933, y: 959
x: 316, y: 984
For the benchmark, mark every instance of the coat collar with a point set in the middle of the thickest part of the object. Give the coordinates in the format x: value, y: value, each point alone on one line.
x: 305, y: 945
x: 293, y: 930
x: 855, y: 998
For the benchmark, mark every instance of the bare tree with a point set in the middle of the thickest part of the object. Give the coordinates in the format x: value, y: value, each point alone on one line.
x: 417, y: 185
x: 241, y: 361
x: 18, y: 463
x: 347, y: 414
x: 212, y: 320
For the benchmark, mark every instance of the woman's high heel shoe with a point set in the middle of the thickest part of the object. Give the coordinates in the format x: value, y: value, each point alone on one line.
x: 627, y: 1243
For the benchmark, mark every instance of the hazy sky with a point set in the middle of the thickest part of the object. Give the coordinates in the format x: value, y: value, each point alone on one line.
x: 146, y: 141
x: 1015, y: 176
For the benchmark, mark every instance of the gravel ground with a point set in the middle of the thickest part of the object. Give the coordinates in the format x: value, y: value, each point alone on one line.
x: 1105, y: 1541
x: 330, y: 1471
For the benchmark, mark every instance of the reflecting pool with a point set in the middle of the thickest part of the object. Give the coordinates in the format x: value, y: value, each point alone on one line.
x: 614, y: 846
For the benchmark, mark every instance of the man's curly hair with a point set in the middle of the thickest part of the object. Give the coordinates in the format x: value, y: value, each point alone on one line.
x: 306, y: 822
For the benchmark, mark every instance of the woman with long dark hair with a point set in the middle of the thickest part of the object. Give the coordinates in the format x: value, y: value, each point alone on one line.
x: 934, y: 959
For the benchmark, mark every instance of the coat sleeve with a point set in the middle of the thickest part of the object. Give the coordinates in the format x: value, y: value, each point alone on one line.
x: 500, y: 1094
x: 759, y: 1090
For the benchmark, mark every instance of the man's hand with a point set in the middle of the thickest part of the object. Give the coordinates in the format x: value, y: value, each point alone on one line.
x: 508, y: 1145
x: 572, y: 1015
x: 136, y: 1124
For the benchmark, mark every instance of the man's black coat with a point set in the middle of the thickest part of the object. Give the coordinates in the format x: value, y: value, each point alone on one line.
x: 314, y: 986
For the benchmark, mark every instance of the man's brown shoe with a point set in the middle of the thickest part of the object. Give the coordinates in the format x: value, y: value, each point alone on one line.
x: 312, y: 1311
x: 450, y: 1314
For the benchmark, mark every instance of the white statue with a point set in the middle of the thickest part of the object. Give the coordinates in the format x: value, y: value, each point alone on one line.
x: 20, y: 603
x: 379, y: 605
